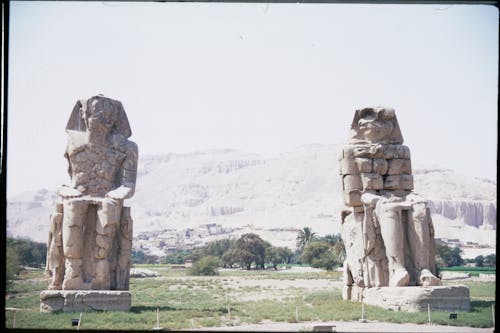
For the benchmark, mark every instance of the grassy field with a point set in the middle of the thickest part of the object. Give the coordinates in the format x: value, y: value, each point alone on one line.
x: 473, y: 271
x: 231, y: 298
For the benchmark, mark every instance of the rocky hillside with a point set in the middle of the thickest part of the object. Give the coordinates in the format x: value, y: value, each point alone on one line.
x: 290, y: 190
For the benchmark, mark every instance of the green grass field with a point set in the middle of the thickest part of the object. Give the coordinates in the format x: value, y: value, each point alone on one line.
x: 473, y: 271
x: 190, y: 302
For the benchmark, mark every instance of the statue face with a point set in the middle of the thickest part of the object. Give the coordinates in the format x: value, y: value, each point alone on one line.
x: 99, y: 116
x: 374, y: 130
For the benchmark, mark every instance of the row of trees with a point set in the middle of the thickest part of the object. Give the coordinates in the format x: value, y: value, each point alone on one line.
x: 247, y: 251
x: 250, y: 250
x: 23, y: 252
x: 447, y: 256
x: 485, y: 261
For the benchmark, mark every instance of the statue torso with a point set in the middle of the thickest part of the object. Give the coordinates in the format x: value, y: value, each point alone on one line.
x: 95, y: 168
x: 380, y: 168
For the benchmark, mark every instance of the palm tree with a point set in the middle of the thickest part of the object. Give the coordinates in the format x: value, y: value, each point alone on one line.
x: 336, y: 244
x: 332, y: 239
x: 304, y: 237
x: 338, y: 251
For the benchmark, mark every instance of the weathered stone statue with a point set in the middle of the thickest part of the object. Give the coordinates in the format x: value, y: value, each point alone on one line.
x: 387, y: 229
x: 90, y: 237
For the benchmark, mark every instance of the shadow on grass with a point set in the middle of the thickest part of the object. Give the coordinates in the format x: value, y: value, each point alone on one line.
x: 149, y: 308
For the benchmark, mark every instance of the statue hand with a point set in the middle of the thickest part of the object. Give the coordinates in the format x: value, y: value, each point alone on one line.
x: 67, y: 192
x: 370, y: 199
x: 119, y: 193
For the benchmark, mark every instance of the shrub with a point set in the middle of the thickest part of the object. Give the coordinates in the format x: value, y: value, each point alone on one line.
x: 319, y: 255
x: 447, y: 256
x: 205, y: 266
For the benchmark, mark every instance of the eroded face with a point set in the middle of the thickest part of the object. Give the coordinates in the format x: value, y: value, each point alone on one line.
x: 374, y: 130
x: 99, y: 116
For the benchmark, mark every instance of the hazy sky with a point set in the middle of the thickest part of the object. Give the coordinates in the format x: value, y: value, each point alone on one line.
x: 261, y: 78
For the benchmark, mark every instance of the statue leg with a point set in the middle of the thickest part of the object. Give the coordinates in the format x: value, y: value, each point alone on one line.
x: 124, y: 256
x: 55, y: 257
x: 422, y: 237
x: 391, y: 228
x: 75, y: 214
x: 108, y: 219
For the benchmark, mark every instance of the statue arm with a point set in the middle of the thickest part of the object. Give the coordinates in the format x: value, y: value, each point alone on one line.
x: 66, y: 191
x: 128, y: 174
x: 370, y: 199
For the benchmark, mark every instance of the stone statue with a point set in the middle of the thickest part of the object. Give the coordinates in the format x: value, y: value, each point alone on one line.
x: 90, y: 236
x: 386, y: 228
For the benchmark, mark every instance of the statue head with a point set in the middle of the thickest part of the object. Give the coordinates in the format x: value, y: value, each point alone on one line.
x: 100, y: 114
x: 375, y: 125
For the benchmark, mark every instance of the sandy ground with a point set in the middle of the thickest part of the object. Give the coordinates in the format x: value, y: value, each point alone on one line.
x: 345, y: 326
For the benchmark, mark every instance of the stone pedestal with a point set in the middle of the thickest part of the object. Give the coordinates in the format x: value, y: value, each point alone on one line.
x: 413, y: 299
x: 84, y: 300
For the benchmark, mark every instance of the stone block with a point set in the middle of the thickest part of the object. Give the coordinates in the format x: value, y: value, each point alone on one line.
x: 407, y: 182
x: 402, y: 151
x: 84, y: 300
x: 399, y: 166
x: 395, y: 151
x: 353, y: 198
x: 365, y: 165
x: 366, y: 151
x: 413, y: 299
x: 352, y: 183
x: 388, y: 152
x: 380, y: 166
x: 348, y: 166
x: 392, y: 182
x: 372, y: 181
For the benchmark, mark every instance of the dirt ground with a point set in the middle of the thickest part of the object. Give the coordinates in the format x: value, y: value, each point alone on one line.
x: 346, y: 326
x: 276, y: 289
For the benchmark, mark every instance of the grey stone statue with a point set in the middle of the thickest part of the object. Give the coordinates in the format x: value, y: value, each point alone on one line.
x: 387, y: 229
x: 90, y: 236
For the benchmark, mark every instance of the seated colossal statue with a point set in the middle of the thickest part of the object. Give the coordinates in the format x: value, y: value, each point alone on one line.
x: 386, y: 228
x: 90, y: 236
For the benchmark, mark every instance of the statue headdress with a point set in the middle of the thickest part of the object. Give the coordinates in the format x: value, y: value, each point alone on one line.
x: 376, y: 113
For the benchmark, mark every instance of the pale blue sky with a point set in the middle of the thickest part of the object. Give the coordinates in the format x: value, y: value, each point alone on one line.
x: 261, y: 78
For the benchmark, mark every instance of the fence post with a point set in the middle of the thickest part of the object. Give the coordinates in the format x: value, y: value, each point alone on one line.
x: 79, y: 321
x: 362, y: 320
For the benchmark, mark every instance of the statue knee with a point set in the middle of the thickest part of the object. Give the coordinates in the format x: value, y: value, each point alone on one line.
x: 75, y: 212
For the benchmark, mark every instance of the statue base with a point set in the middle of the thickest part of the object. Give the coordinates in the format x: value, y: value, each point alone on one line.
x: 84, y: 300
x: 412, y: 299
